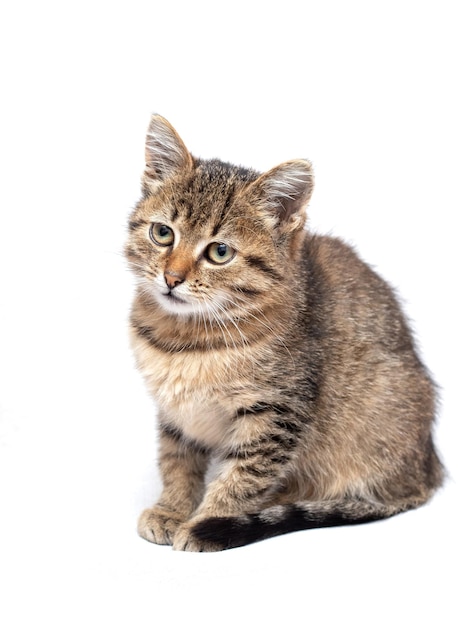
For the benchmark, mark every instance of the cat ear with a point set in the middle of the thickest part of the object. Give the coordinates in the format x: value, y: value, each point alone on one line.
x: 286, y: 190
x: 165, y: 153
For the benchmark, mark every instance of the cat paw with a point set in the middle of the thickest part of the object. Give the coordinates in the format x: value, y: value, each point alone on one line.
x: 159, y: 525
x: 186, y: 538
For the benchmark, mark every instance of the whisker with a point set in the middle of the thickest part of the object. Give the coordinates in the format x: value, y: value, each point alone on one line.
x: 257, y: 314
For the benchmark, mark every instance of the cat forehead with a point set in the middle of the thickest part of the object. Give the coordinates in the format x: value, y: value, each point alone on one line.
x: 206, y: 197
x: 215, y: 178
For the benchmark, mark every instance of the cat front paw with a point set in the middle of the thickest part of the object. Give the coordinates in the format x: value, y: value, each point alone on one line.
x: 188, y: 537
x: 159, y: 525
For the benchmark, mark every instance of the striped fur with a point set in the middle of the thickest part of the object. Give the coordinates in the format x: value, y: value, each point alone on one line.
x: 289, y: 392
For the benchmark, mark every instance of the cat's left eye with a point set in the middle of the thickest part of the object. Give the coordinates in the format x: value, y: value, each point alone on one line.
x: 219, y: 253
x: 161, y: 234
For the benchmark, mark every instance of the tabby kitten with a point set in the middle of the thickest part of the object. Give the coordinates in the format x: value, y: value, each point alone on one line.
x: 276, y: 353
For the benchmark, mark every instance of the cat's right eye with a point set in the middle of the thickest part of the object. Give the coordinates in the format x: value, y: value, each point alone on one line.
x: 161, y: 234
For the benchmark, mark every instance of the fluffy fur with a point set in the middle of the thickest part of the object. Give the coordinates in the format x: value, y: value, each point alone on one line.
x: 276, y: 353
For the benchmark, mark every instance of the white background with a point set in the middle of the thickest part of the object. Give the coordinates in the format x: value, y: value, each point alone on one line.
x: 376, y: 95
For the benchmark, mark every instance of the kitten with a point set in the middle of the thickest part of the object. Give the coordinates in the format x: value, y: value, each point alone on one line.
x: 277, y: 353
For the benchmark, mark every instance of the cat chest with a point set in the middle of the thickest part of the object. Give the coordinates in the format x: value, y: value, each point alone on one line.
x: 198, y: 393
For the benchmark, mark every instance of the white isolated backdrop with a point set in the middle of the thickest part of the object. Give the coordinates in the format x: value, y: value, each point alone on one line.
x: 376, y: 95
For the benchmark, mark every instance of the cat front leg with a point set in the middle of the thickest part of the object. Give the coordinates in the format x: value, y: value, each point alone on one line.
x: 248, y: 480
x: 182, y: 468
x: 235, y: 492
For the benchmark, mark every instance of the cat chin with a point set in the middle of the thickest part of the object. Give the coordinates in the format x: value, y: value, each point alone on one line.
x: 173, y: 305
x: 185, y: 305
x: 177, y: 306
x: 195, y: 308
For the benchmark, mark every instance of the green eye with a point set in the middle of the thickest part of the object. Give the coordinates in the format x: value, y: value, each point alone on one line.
x: 219, y: 253
x: 161, y: 235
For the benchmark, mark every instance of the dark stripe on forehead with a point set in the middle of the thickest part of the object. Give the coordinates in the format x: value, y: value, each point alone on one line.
x: 175, y: 213
x: 223, y: 212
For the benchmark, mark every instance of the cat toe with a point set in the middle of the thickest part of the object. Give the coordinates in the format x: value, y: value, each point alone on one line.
x: 158, y: 526
x: 186, y: 540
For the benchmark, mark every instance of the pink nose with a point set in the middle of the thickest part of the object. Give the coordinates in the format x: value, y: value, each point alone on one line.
x: 173, y: 279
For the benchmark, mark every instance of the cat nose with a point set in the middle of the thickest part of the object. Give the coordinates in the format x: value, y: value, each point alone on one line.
x: 173, y: 279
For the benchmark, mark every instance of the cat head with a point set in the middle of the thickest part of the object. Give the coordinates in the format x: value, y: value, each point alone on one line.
x: 209, y: 237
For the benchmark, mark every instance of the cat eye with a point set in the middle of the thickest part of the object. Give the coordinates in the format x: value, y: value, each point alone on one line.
x: 161, y: 234
x: 219, y: 253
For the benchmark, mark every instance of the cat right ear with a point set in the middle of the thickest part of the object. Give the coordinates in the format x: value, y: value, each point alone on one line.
x: 285, y: 191
x: 165, y: 153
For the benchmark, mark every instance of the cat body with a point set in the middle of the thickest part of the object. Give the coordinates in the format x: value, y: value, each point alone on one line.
x: 277, y: 354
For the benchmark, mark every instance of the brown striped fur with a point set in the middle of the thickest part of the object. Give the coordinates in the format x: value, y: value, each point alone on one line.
x: 289, y: 364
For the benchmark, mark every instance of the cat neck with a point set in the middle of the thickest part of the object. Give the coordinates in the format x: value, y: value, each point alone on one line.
x: 176, y: 333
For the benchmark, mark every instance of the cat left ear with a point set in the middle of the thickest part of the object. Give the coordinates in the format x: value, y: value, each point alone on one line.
x: 165, y: 153
x: 286, y: 190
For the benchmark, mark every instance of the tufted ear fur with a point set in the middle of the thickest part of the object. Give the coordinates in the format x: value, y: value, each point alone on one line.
x: 285, y: 190
x: 165, y: 153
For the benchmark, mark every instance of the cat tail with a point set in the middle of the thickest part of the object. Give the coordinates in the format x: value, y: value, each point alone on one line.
x: 236, y: 531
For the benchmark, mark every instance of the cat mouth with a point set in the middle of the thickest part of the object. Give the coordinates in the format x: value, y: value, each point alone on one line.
x: 174, y: 298
x: 175, y: 303
x: 172, y: 303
